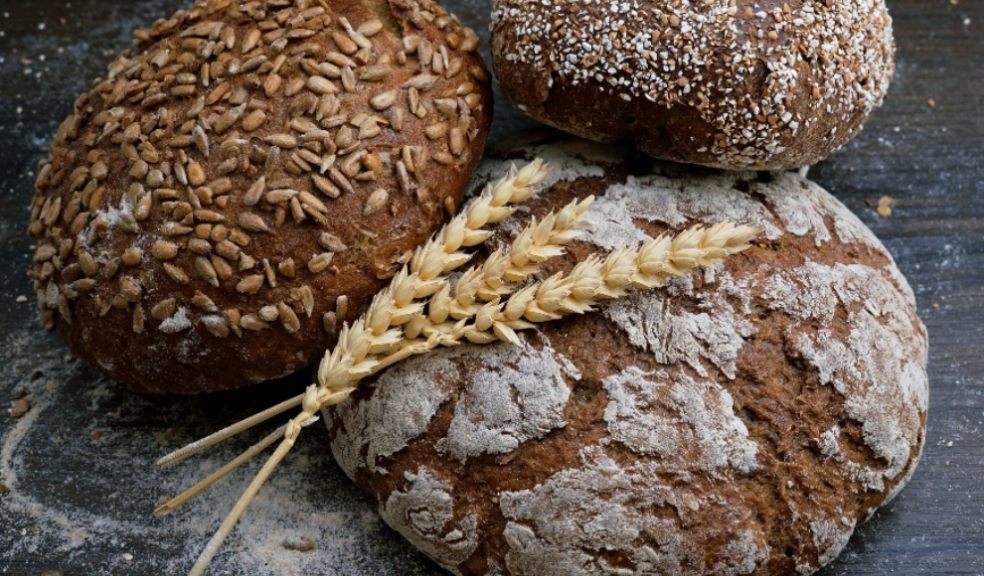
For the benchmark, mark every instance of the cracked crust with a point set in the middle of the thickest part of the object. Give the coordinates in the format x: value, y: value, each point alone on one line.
x: 739, y: 421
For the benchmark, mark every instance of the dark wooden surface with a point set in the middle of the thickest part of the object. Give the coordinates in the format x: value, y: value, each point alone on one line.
x: 78, y: 466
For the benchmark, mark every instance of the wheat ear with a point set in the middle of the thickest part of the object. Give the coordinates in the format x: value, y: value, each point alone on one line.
x: 591, y: 282
x: 396, y: 321
x: 595, y: 279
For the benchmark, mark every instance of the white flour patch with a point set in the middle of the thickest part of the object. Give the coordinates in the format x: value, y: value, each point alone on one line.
x: 690, y: 425
x: 569, y: 160
x: 176, y: 323
x: 517, y: 394
x: 712, y: 333
x: 879, y: 368
x: 830, y: 537
x: 562, y: 526
x: 609, y: 225
x: 743, y: 555
x: 401, y: 406
x: 680, y: 200
x: 424, y: 515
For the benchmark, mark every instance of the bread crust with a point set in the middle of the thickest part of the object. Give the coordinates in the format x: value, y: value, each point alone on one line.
x: 740, y: 421
x: 737, y: 85
x: 247, y: 178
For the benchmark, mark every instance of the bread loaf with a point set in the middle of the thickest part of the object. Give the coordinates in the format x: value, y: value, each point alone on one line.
x: 766, y: 85
x: 247, y: 178
x: 741, y: 421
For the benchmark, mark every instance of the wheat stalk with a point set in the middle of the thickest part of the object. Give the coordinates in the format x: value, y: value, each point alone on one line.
x: 376, y: 340
x: 363, y: 347
x: 420, y: 309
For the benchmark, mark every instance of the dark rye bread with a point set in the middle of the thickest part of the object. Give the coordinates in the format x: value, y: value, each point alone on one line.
x: 740, y: 421
x: 732, y: 84
x: 247, y: 178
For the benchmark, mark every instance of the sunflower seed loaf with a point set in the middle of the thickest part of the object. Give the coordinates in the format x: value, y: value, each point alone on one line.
x: 246, y: 178
x: 740, y: 421
x: 740, y: 85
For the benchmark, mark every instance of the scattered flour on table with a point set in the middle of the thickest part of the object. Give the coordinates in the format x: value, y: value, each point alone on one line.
x: 96, y: 511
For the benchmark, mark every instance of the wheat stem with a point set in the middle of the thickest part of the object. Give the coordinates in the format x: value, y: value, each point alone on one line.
x: 179, y: 500
x: 207, y: 442
x: 212, y: 548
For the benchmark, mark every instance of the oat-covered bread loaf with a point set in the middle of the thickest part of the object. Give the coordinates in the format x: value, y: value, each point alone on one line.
x: 741, y: 421
x: 247, y: 178
x: 763, y: 85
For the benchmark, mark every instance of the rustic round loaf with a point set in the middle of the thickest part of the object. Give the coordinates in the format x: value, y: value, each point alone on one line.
x: 740, y: 421
x: 247, y: 179
x: 764, y: 85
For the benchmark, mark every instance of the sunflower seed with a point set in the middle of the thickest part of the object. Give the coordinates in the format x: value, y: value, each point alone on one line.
x: 320, y: 85
x: 251, y: 322
x: 252, y: 222
x: 285, y: 141
x: 320, y: 262
x: 206, y: 271
x: 287, y: 268
x: 250, y: 284
x: 288, y: 319
x: 341, y: 306
x: 254, y: 120
x: 330, y: 322
x: 164, y: 309
x: 331, y: 242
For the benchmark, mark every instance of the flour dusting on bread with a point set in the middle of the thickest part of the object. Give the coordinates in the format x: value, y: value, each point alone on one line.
x: 877, y: 367
x: 399, y: 410
x: 424, y: 514
x: 518, y: 394
x: 688, y: 424
x: 563, y: 526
